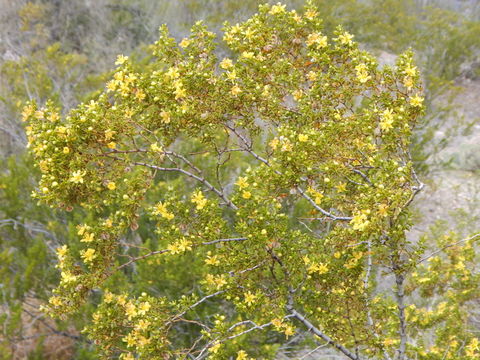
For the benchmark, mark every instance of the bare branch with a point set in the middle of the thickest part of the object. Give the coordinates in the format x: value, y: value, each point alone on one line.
x: 448, y: 246
x: 193, y: 176
x: 324, y: 212
x: 312, y: 328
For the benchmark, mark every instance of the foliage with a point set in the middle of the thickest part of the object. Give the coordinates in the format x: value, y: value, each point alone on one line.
x: 285, y: 169
x: 61, y: 48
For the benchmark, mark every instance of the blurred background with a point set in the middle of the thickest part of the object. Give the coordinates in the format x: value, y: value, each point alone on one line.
x: 65, y: 51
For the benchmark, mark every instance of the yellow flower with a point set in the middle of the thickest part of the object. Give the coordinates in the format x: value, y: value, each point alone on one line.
x: 88, y: 237
x: 121, y: 60
x: 130, y: 310
x: 226, y: 63
x: 199, y: 200
x: 317, y: 268
x: 172, y: 73
x: 302, y: 138
x: 55, y: 301
x: 77, y: 177
x: 250, y: 298
x: 383, y: 210
x: 142, y: 325
x: 346, y: 38
x: 179, y: 92
x: 278, y: 323
x: 130, y: 339
x: 242, y: 355
x: 39, y: 114
x: 144, y: 307
x: 297, y: 94
x: 289, y: 331
x: 248, y: 55
x: 231, y: 75
x: 286, y: 145
x: 111, y: 185
x: 109, y: 134
x: 310, y: 14
x: 82, y: 229
x: 317, y: 39
x: 143, y: 341
x: 155, y: 148
x: 277, y: 9
x: 67, y: 276
x: 388, y: 341
x: 387, y: 120
x: 312, y: 75
x: 140, y: 95
x: 127, y: 356
x: 185, y: 42
x: 318, y: 198
x: 62, y: 251
x: 165, y: 117
x: 27, y: 112
x: 342, y: 187
x: 416, y: 101
x: 408, y: 82
x: 53, y: 117
x: 216, y: 281
x: 472, y: 348
x: 362, y: 73
x: 88, y: 255
x: 111, y: 85
x: 161, y: 209
x: 410, y: 70
x: 246, y: 195
x: 111, y: 145
x: 242, y: 182
x: 212, y: 260
x: 235, y: 90
x: 214, y: 349
x: 180, y: 246
x: 274, y: 143
x: 360, y: 222
x: 108, y: 298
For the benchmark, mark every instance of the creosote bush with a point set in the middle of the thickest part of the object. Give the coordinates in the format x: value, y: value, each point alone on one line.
x: 283, y: 170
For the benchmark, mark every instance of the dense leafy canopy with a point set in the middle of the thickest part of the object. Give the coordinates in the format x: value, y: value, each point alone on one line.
x: 272, y: 187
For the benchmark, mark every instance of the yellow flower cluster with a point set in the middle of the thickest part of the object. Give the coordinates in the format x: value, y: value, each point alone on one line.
x: 212, y: 260
x: 473, y: 348
x: 386, y: 122
x: 199, y: 200
x: 317, y: 39
x: 360, y: 221
x: 215, y: 281
x: 320, y: 268
x: 362, y: 73
x: 345, y: 38
x: 180, y: 246
x: 161, y: 209
x: 318, y: 196
x: 249, y: 298
x: 88, y: 255
x: 77, y: 177
x: 242, y: 182
x: 416, y: 101
x: 226, y: 64
x: 279, y: 8
x: 280, y: 326
x: 356, y: 256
